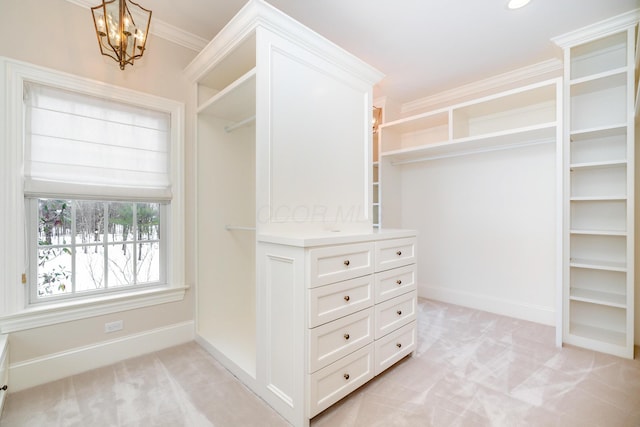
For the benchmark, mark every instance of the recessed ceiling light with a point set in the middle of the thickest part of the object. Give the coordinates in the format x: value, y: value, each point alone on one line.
x: 517, y: 4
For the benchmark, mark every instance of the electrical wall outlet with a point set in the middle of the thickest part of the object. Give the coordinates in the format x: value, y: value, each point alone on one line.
x: 113, y: 326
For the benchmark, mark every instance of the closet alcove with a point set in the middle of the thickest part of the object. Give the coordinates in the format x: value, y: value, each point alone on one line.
x: 284, y: 216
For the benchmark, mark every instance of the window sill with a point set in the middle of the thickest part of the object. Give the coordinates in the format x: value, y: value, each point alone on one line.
x: 50, y: 314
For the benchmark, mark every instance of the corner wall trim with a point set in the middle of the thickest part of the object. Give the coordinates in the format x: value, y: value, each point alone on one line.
x: 52, y: 367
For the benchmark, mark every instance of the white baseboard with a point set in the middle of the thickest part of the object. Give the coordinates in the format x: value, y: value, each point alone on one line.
x: 41, y: 370
x: 245, y: 377
x: 502, y: 306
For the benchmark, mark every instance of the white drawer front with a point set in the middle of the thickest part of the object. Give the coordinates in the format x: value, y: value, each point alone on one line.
x: 330, y: 302
x: 395, y: 253
x: 395, y: 282
x: 342, y: 262
x: 335, y: 381
x: 395, y: 346
x: 396, y: 312
x: 334, y: 340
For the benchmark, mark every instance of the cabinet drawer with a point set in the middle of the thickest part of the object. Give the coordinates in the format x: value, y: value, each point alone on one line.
x: 336, y: 339
x: 395, y: 282
x: 329, y: 302
x: 395, y: 253
x: 395, y: 346
x: 337, y: 380
x: 337, y: 263
x: 396, y: 312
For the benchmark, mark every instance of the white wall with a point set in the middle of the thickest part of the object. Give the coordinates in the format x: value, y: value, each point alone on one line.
x: 59, y: 35
x: 487, y: 225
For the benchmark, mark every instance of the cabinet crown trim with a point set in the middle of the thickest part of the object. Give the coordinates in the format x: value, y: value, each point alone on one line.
x: 471, y: 90
x: 258, y: 13
x: 598, y: 29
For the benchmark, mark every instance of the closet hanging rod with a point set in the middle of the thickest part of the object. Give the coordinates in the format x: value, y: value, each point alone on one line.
x: 231, y: 128
x: 239, y: 227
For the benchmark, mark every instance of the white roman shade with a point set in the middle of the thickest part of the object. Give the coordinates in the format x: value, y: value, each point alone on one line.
x: 83, y: 146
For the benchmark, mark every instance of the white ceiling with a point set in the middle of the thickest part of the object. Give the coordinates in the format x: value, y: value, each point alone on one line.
x: 423, y: 46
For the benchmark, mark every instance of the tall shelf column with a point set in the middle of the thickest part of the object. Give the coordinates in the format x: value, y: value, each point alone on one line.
x: 598, y: 186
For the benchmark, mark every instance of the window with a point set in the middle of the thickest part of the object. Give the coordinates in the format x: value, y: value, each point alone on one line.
x: 102, y: 151
x: 85, y: 247
x: 78, y: 145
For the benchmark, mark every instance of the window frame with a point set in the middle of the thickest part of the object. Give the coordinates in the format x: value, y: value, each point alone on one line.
x: 33, y: 223
x: 16, y: 313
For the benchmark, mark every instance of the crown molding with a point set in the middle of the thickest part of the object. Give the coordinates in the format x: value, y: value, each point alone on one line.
x: 260, y: 14
x: 473, y: 89
x: 598, y: 29
x: 162, y: 29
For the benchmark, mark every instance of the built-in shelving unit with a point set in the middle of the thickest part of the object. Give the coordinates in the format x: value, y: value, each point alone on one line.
x: 375, y: 166
x: 598, y: 175
x: 236, y: 102
x: 226, y: 101
x: 522, y: 116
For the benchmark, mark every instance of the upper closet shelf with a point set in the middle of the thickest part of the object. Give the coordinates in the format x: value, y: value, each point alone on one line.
x: 236, y: 102
x: 514, y: 118
x: 475, y: 144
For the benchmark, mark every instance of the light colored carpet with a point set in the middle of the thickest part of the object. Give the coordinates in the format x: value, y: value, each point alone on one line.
x: 471, y: 368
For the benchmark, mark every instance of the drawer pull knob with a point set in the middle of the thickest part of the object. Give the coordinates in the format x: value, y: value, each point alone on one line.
x: 347, y: 298
x: 346, y: 336
x: 346, y: 376
x: 3, y: 388
x: 399, y: 345
x: 399, y: 253
x: 399, y: 282
x: 347, y: 263
x: 399, y: 312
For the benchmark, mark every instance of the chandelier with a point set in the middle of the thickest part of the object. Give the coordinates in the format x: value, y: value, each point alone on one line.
x: 122, y: 27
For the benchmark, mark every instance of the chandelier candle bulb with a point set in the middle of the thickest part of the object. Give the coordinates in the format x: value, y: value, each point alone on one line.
x: 123, y: 34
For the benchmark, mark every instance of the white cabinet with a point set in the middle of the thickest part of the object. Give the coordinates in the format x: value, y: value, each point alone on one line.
x: 4, y: 369
x: 337, y: 311
x: 275, y: 155
x: 598, y: 175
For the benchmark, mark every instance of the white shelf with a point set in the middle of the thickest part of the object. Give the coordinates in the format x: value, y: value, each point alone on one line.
x: 617, y: 129
x: 599, y: 232
x: 236, y: 102
x: 598, y: 165
x: 598, y: 198
x: 598, y: 334
x: 597, y: 297
x: 598, y: 265
x: 599, y: 102
x: 542, y: 133
x: 619, y: 74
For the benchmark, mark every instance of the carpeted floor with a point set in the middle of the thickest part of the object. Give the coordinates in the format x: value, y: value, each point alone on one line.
x: 471, y: 368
